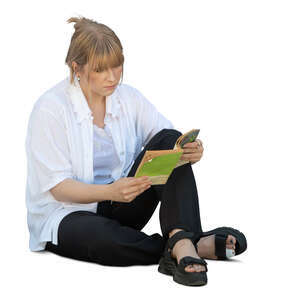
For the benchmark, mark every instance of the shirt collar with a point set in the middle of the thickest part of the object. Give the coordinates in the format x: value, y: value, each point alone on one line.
x: 80, y: 104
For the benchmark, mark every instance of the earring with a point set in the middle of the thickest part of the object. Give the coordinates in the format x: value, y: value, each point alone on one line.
x: 78, y: 78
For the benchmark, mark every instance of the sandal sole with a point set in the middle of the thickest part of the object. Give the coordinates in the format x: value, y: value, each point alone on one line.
x: 170, y: 270
x: 191, y: 280
x: 165, y: 267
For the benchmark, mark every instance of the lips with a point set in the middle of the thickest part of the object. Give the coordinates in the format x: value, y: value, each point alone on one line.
x: 110, y: 86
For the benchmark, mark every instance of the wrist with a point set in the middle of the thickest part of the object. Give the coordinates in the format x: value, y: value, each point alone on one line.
x: 109, y: 191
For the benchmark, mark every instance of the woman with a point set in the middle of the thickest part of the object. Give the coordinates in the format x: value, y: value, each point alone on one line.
x: 83, y: 147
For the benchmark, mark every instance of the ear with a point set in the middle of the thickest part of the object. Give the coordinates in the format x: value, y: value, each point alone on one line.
x: 74, y: 66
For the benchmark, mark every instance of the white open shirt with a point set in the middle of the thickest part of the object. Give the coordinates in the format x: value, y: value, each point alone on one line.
x: 59, y: 145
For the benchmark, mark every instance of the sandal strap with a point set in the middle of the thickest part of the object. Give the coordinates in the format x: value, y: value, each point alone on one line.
x: 196, y: 238
x: 179, y: 235
x: 188, y: 260
x: 220, y: 245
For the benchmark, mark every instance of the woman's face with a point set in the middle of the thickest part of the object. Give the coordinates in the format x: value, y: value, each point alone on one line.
x: 100, y: 81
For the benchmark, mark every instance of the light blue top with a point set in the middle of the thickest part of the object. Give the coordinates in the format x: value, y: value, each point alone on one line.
x: 105, y: 156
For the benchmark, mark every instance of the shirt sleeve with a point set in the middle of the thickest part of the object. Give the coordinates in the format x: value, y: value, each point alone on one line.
x: 149, y: 120
x: 47, y: 151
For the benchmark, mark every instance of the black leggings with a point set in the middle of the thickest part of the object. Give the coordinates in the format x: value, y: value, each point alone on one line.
x: 112, y: 236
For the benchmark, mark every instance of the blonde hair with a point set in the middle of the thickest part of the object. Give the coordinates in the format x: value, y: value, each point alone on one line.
x: 94, y: 44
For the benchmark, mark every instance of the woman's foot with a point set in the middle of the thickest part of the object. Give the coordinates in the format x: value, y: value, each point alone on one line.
x: 183, y: 248
x: 206, y: 246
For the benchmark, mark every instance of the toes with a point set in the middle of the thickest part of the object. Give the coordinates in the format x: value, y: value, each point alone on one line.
x: 230, y: 242
x: 230, y: 253
x: 230, y: 246
x: 193, y: 268
x: 199, y: 268
x: 189, y: 268
x: 196, y: 268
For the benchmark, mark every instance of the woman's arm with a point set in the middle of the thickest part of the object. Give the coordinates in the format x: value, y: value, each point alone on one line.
x: 71, y: 190
x: 49, y: 160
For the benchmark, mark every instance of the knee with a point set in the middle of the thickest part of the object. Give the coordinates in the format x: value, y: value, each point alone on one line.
x: 171, y: 131
x: 168, y: 138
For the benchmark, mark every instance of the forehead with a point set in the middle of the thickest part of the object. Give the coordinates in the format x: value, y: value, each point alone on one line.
x: 105, y: 61
x: 99, y: 63
x: 99, y: 68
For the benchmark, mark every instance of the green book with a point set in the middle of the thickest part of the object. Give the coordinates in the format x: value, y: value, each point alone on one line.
x: 159, y: 164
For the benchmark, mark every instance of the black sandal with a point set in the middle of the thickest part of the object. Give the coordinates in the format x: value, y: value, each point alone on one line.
x: 221, y: 234
x: 169, y: 266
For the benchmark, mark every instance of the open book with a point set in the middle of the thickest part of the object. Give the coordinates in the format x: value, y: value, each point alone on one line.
x: 159, y: 164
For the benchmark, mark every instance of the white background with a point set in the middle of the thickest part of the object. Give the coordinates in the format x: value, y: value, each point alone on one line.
x: 230, y: 68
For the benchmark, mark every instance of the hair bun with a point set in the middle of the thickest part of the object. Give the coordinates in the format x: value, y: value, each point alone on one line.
x: 77, y: 20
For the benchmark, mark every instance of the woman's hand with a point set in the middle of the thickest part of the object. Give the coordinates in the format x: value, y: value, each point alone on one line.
x: 127, y: 189
x: 192, y: 151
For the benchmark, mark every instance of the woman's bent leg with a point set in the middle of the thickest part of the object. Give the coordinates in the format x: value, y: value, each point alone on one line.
x: 179, y: 198
x: 179, y: 202
x: 90, y: 237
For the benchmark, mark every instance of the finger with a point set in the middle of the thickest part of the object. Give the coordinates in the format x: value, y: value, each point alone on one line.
x: 132, y: 196
x: 140, y: 187
x: 137, y: 189
x: 190, y: 156
x: 183, y: 157
x: 191, y: 145
x: 195, y: 144
x: 140, y: 184
x: 193, y: 149
x: 190, y: 150
x: 140, y: 180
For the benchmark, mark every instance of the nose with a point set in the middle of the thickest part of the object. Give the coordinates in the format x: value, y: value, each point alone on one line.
x: 111, y: 75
